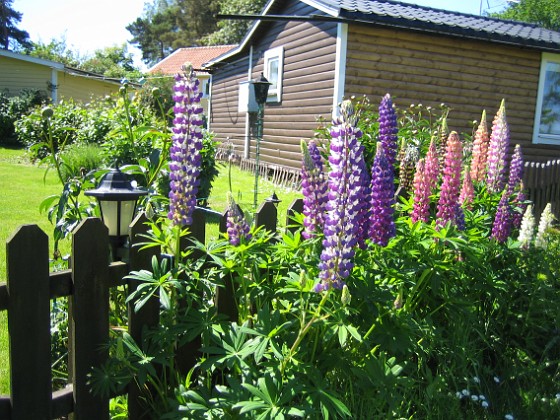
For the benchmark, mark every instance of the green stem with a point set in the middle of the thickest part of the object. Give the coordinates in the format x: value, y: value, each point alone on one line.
x: 303, y: 331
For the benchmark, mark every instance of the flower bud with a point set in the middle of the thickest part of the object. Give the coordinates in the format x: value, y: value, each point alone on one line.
x: 346, y: 297
x: 47, y: 112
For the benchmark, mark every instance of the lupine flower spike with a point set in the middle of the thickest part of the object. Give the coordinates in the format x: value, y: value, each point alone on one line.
x: 407, y: 169
x: 237, y: 227
x: 314, y: 189
x: 388, y: 128
x: 497, y: 151
x: 503, y: 220
x: 520, y: 206
x: 382, y: 225
x: 346, y: 198
x: 432, y: 165
x: 185, y: 151
x: 545, y: 223
x: 526, y: 232
x: 422, y: 191
x: 448, y: 203
x: 480, y: 150
x: 515, y: 170
x: 466, y: 196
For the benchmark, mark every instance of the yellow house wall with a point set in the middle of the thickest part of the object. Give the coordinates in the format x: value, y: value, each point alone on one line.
x: 17, y: 75
x: 82, y: 88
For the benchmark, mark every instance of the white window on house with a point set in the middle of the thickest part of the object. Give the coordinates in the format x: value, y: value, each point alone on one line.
x: 273, y: 71
x: 547, y: 115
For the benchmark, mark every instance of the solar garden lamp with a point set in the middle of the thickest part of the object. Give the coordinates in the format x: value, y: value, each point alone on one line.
x: 117, y: 197
x: 260, y: 86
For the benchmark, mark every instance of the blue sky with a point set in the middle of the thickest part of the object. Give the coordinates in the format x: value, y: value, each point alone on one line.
x: 89, y: 25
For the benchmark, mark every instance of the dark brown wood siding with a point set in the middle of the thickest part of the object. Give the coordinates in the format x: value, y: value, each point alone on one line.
x: 308, y: 85
x: 466, y: 75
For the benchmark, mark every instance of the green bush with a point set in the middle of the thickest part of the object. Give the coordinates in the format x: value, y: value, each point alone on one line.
x: 13, y: 108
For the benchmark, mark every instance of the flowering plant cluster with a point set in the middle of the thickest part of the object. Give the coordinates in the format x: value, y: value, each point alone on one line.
x: 407, y: 276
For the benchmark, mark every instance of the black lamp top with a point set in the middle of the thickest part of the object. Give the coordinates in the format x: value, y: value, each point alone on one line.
x: 116, y: 186
x: 261, y: 89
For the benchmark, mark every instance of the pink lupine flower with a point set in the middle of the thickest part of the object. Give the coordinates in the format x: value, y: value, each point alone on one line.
x: 422, y: 191
x: 450, y: 188
x: 497, y: 151
x: 480, y: 151
x: 314, y: 189
x: 432, y: 165
x: 466, y: 196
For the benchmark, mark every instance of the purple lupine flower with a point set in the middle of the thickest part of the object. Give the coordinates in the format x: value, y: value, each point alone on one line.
x: 388, y: 128
x: 346, y: 199
x: 382, y: 226
x: 422, y: 191
x: 449, y: 196
x: 364, y: 212
x: 515, y: 169
x: 184, y: 153
x: 480, y: 150
x: 520, y: 206
x: 497, y: 151
x: 432, y: 165
x: 238, y: 229
x: 459, y: 217
x: 314, y: 189
x: 502, y: 221
x: 466, y: 196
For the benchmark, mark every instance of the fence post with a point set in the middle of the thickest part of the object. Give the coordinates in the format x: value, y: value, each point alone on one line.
x: 187, y: 354
x: 224, y: 298
x: 295, y: 207
x: 29, y: 323
x: 90, y: 310
x: 267, y: 216
x: 148, y: 315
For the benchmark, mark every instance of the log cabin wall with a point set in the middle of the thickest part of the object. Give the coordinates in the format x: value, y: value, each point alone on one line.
x: 307, y: 94
x: 467, y: 75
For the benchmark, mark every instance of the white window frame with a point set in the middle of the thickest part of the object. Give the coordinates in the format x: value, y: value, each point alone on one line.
x: 275, y: 91
x: 538, y: 137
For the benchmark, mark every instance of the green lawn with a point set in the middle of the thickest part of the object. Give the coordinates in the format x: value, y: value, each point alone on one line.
x: 22, y: 189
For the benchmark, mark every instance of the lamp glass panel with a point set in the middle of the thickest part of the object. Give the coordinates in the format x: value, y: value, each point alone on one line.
x: 127, y: 214
x: 109, y: 210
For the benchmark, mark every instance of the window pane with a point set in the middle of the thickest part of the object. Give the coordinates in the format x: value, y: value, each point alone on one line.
x: 550, y: 114
x: 273, y: 74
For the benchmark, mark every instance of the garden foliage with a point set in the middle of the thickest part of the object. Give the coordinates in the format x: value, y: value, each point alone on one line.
x: 409, y: 293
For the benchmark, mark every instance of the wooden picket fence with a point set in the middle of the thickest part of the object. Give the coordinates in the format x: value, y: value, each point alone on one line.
x: 541, y: 181
x: 27, y: 294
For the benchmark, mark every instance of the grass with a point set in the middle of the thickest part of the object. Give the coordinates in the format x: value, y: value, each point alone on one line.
x: 22, y: 189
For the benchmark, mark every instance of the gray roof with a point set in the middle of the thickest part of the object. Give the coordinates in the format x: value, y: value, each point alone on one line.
x: 411, y: 16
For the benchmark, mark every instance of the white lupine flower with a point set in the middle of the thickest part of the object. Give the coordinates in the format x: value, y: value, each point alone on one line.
x: 484, y: 404
x: 545, y: 223
x: 496, y: 379
x: 474, y: 397
x: 526, y: 231
x: 509, y: 417
x: 476, y: 379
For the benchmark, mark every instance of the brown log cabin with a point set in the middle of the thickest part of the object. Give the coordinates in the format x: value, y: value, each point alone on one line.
x: 318, y: 52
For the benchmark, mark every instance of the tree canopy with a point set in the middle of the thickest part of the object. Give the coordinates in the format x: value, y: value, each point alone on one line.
x: 545, y: 13
x: 170, y: 24
x: 10, y: 35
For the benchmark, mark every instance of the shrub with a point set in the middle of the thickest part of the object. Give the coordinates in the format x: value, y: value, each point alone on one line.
x: 13, y: 108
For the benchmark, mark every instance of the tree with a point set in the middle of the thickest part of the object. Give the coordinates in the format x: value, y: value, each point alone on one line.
x: 170, y: 24
x: 115, y: 62
x: 56, y: 50
x: 232, y: 31
x: 10, y: 34
x: 545, y: 13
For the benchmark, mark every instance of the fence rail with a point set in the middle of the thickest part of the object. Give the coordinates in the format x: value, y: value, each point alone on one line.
x: 26, y: 297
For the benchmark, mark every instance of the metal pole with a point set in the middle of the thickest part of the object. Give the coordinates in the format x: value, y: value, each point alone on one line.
x: 260, y: 118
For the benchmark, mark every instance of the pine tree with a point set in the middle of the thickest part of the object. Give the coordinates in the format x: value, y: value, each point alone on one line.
x: 10, y: 34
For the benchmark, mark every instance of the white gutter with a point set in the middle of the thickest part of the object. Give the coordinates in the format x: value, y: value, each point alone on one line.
x: 340, y: 66
x: 247, y: 116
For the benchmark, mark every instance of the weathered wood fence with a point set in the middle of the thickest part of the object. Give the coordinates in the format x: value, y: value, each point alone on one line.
x: 542, y: 183
x: 27, y: 295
